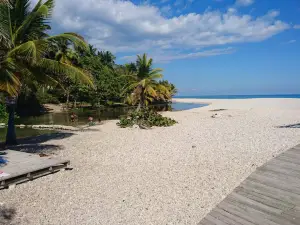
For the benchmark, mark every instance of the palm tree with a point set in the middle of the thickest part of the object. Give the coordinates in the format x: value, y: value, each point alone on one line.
x: 171, y: 88
x: 107, y: 58
x: 24, y: 45
x: 66, y: 55
x: 144, y: 83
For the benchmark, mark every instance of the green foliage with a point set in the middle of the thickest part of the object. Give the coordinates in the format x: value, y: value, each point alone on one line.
x: 40, y: 69
x: 44, y: 97
x: 145, y: 117
x: 3, y: 114
x: 171, y: 87
x: 143, y: 87
x: 25, y: 45
x: 107, y: 78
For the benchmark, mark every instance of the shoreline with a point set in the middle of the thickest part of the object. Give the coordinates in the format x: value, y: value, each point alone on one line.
x: 240, y: 104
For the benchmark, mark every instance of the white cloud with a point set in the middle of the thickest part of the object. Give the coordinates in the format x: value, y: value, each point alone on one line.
x: 162, y: 56
x: 244, y: 2
x: 297, y: 26
x: 291, y: 41
x: 121, y: 26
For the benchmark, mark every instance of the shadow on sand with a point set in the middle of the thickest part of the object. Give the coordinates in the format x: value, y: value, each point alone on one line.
x: 7, y: 215
x: 35, y: 144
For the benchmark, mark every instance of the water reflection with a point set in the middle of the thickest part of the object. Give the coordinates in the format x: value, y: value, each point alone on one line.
x: 82, y: 117
x: 101, y: 113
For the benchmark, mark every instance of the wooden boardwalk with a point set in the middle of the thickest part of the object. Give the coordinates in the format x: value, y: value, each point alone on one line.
x: 18, y: 167
x: 269, y: 196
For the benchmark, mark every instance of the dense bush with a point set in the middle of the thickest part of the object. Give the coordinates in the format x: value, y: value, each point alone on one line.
x: 145, y: 117
x: 44, y: 97
x: 3, y: 114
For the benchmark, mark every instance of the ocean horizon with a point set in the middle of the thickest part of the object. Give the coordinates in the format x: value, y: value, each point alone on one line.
x: 240, y: 96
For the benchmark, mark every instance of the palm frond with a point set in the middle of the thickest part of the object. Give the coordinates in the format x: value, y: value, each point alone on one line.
x: 19, y: 12
x: 143, y: 83
x: 9, y: 83
x: 154, y: 71
x: 151, y: 92
x: 74, y: 73
x: 35, y: 24
x: 5, y: 26
x: 37, y: 6
x: 133, y: 77
x: 29, y: 52
x: 74, y: 38
x: 6, y: 2
x: 36, y: 75
x: 130, y: 87
x: 155, y: 76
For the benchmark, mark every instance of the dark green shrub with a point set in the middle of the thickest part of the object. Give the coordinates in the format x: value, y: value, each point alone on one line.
x: 145, y: 117
x: 44, y: 97
x: 3, y: 114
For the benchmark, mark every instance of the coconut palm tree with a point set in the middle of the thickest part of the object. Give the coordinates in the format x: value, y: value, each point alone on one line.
x: 171, y: 88
x: 24, y: 45
x: 66, y: 55
x: 144, y: 83
x: 107, y: 58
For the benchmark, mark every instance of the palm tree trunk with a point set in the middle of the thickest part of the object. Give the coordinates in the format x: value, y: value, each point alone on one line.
x: 142, y: 101
x: 68, y: 99
x: 11, y: 138
x: 139, y: 106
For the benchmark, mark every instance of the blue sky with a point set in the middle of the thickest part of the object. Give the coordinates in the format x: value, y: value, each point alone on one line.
x: 204, y: 46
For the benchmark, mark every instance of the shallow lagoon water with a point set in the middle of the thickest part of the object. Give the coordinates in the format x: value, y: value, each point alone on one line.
x: 83, y: 114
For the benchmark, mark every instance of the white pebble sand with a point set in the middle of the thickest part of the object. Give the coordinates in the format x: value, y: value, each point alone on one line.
x: 171, y: 175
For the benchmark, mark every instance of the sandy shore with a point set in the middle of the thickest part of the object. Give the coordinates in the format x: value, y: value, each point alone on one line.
x: 168, y: 176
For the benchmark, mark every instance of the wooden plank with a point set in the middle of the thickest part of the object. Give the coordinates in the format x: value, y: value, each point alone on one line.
x: 255, y: 214
x: 215, y: 220
x: 280, y: 170
x: 24, y: 166
x: 22, y: 163
x: 276, y: 183
x: 295, y: 149
x: 282, y: 195
x: 247, y: 202
x: 288, y: 158
x: 206, y: 222
x: 245, y: 213
x: 269, y: 196
x: 283, y: 164
x: 293, y: 214
x: 228, y: 217
x: 292, y: 153
x: 269, y: 201
x: 280, y: 176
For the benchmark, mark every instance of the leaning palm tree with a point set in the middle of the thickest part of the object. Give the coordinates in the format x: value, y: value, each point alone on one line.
x: 24, y: 45
x: 144, y: 85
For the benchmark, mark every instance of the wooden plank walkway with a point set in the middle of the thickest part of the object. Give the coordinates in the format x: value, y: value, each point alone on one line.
x: 269, y: 196
x: 21, y: 167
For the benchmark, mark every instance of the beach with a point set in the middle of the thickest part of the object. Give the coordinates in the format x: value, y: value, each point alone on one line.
x: 171, y: 175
